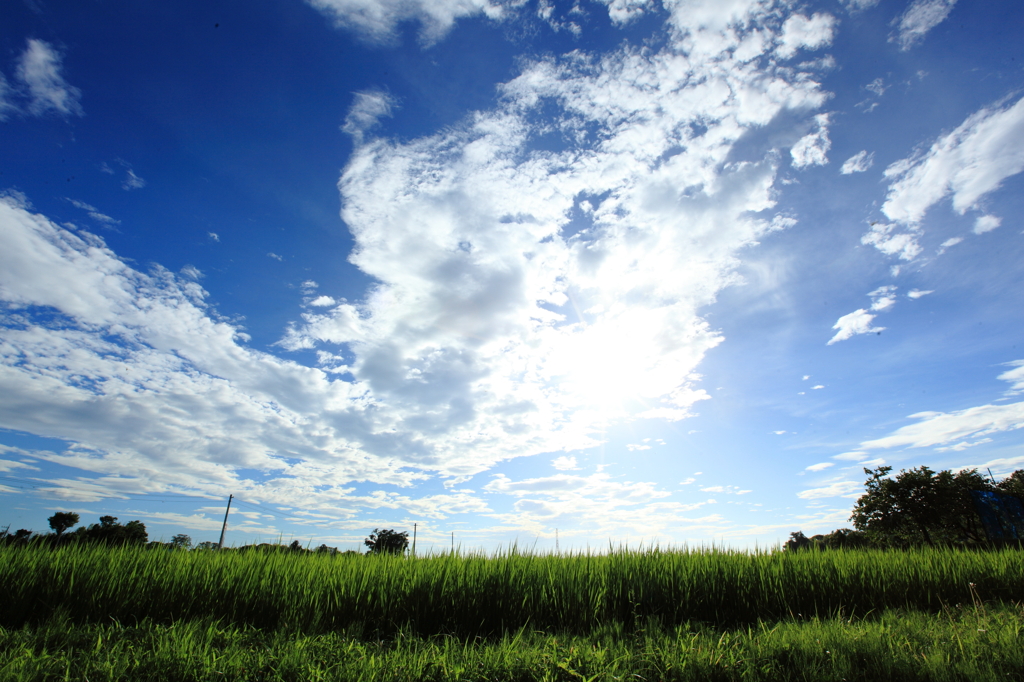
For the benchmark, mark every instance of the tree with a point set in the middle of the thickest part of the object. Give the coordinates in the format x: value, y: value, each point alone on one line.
x: 920, y: 505
x: 1013, y: 484
x: 181, y: 541
x: 61, y: 521
x: 109, y: 532
x: 206, y: 544
x: 387, y: 542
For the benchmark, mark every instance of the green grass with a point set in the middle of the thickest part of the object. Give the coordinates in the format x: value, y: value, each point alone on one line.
x: 475, y: 595
x: 902, y: 646
x: 101, y: 614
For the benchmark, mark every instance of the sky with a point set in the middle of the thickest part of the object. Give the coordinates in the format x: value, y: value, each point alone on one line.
x: 562, y: 274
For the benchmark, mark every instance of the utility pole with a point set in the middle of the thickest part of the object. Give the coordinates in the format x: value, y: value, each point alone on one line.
x: 414, y: 540
x: 556, y: 541
x: 990, y: 475
x: 223, y: 529
x: 453, y: 542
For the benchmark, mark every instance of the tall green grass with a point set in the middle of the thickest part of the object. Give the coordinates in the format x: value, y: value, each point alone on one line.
x: 487, y: 596
x: 964, y: 645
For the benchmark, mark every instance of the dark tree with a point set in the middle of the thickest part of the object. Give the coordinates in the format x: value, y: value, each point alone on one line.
x: 920, y: 505
x: 387, y: 542
x: 1013, y: 484
x: 181, y: 541
x: 109, y: 532
x: 61, y: 521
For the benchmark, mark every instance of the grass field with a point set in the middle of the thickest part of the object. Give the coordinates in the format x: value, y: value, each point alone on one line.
x: 91, y: 613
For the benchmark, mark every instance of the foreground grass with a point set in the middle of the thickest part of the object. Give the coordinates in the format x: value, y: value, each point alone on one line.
x: 975, y: 643
x: 469, y: 596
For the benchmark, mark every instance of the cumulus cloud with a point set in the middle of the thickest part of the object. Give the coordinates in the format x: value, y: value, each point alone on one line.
x: 133, y: 369
x: 376, y: 20
x: 366, y: 111
x: 967, y: 163
x: 857, y: 322
x: 917, y: 293
x: 39, y: 69
x: 801, y: 32
x: 322, y: 302
x: 858, y: 163
x: 812, y: 149
x: 507, y: 277
x: 883, y: 298
x: 505, y: 272
x: 986, y: 223
x: 886, y: 238
x: 921, y: 17
x: 565, y: 463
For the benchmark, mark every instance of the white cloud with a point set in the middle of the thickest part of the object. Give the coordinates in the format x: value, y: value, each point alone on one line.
x: 818, y: 387
x: 853, y: 6
x: 917, y: 293
x: 492, y: 320
x: 39, y: 69
x: 820, y: 466
x: 470, y: 348
x: 276, y: 257
x: 800, y: 32
x: 883, y: 298
x: 688, y: 481
x: 633, y: 447
x: 921, y: 17
x: 192, y: 272
x: 806, y: 377
x: 725, y: 489
x: 322, y: 301
x: 597, y: 506
x: 625, y: 11
x: 941, y: 428
x: 857, y: 322
x: 968, y: 163
x: 948, y: 244
x: 376, y: 20
x: 850, y: 489
x: 812, y: 149
x: 366, y: 111
x: 132, y: 181
x: 94, y: 213
x: 565, y: 463
x: 1014, y: 376
x: 883, y: 236
x: 214, y: 236
x: 858, y: 163
x: 7, y: 107
x: 986, y: 223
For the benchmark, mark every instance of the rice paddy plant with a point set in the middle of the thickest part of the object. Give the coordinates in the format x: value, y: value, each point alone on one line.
x: 476, y: 595
x: 956, y: 644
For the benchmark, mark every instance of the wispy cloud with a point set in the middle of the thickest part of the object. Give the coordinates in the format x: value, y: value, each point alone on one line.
x: 921, y: 17
x: 39, y: 69
x: 858, y: 163
x: 376, y: 20
x: 366, y: 111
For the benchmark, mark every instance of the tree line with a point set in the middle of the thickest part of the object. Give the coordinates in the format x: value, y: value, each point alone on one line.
x: 917, y: 507
x: 113, y: 534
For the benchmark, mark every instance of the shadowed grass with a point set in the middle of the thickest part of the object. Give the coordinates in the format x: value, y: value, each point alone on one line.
x: 963, y: 644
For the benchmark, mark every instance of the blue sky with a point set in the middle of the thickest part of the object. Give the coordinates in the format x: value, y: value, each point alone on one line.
x: 667, y: 271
